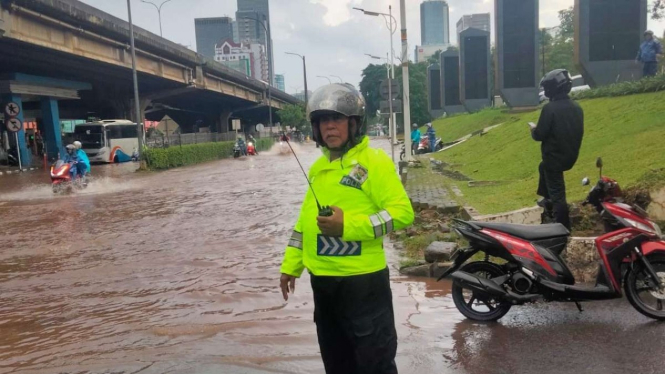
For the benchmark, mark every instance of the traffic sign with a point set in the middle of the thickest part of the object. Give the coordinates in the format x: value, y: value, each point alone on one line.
x: 14, y: 125
x: 394, y: 86
x: 260, y: 127
x: 236, y: 124
x: 385, y: 106
x: 12, y: 109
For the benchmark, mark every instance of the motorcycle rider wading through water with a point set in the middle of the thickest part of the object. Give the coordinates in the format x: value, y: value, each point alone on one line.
x: 343, y: 252
x: 560, y: 129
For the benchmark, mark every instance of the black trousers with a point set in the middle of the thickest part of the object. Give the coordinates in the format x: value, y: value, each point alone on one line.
x: 355, y: 323
x: 552, y: 185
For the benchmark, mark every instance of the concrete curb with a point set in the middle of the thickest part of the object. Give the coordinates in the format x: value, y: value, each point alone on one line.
x: 17, y: 171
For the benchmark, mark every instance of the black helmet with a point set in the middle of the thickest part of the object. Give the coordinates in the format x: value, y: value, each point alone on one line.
x: 340, y: 98
x: 556, y: 82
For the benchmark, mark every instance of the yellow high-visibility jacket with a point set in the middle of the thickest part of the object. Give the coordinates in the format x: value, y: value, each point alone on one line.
x: 364, y: 185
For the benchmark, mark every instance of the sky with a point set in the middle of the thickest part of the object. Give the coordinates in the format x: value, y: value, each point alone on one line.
x: 333, y: 37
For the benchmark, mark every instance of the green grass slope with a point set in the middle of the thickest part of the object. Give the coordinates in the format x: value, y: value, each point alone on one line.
x: 628, y: 132
x: 456, y: 127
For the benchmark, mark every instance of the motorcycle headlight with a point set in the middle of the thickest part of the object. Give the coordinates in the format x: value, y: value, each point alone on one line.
x: 250, y: 144
x: 653, y: 228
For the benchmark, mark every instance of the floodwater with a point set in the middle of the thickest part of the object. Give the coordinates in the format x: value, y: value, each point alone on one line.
x: 178, y: 272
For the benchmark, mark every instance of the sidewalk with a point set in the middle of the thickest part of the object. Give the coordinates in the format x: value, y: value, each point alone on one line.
x: 427, y: 189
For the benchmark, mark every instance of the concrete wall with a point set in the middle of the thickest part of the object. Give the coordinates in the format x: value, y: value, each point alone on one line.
x: 523, y: 96
x: 600, y: 73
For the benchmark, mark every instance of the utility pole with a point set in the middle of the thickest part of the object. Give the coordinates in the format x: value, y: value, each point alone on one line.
x: 405, y: 84
x: 139, y: 120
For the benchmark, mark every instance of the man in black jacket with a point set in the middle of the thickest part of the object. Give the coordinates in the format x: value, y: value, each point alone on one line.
x: 560, y: 129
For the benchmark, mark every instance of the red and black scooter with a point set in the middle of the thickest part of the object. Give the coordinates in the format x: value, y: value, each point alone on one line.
x: 61, y: 178
x: 485, y: 291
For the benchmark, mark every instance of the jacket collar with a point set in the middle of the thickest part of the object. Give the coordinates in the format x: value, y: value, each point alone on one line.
x: 346, y: 160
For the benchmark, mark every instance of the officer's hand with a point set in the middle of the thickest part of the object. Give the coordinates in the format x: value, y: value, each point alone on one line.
x: 333, y: 225
x: 288, y: 284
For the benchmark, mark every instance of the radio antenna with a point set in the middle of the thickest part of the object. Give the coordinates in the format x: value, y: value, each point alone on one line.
x: 323, y: 211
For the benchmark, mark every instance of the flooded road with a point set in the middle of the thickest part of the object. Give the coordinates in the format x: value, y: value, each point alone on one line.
x: 178, y: 272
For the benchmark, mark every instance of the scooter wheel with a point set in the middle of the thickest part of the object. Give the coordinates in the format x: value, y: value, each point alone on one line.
x: 475, y: 306
x: 638, y: 292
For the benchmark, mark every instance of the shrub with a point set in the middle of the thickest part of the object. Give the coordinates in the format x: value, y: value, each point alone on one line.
x: 176, y: 156
x: 651, y: 84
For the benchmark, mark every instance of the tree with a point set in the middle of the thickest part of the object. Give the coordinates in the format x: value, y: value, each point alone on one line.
x: 417, y: 94
x: 434, y: 59
x: 369, y: 86
x: 658, y: 9
x: 294, y: 116
x: 559, y: 48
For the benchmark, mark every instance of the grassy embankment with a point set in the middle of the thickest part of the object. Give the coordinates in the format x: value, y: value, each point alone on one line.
x: 628, y: 132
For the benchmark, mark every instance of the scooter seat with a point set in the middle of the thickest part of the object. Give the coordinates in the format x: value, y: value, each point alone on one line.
x: 528, y: 232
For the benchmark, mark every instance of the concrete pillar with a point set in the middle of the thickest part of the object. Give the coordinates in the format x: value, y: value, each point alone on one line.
x: 223, y: 122
x: 52, y: 130
x: 26, y: 156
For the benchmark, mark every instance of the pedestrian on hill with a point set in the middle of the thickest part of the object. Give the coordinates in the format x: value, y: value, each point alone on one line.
x: 343, y: 253
x: 431, y: 136
x: 560, y: 129
x: 415, y: 138
x: 649, y: 53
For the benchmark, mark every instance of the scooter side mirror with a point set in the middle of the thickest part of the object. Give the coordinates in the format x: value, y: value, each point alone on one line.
x: 599, y: 165
x: 586, y: 181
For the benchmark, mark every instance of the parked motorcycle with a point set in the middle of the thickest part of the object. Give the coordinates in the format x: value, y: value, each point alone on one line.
x: 62, y: 180
x: 424, y: 147
x: 534, y: 270
x: 402, y: 153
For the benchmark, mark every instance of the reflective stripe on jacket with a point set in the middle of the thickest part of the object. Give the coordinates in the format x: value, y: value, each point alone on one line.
x: 365, y: 186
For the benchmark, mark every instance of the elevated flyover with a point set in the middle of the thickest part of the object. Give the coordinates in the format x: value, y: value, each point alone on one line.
x: 69, y: 41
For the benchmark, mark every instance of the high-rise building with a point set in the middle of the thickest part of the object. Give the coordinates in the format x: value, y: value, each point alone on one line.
x: 279, y: 82
x: 248, y: 58
x: 251, y: 30
x: 477, y: 21
x: 434, y: 23
x: 259, y: 6
x: 209, y: 31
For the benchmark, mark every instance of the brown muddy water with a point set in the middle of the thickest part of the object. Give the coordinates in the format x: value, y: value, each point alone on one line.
x: 178, y: 272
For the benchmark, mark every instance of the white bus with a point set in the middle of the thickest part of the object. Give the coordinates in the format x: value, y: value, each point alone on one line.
x: 108, y: 140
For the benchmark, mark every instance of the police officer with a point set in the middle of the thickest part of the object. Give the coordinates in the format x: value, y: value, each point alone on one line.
x: 560, y: 129
x: 343, y: 253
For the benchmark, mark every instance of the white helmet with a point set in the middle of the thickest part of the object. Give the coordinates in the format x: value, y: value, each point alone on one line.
x: 77, y: 144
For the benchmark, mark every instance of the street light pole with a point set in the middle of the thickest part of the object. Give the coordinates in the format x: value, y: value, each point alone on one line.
x: 159, y: 12
x: 391, y: 121
x: 392, y: 29
x: 304, y: 73
x: 139, y: 120
x: 324, y: 77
